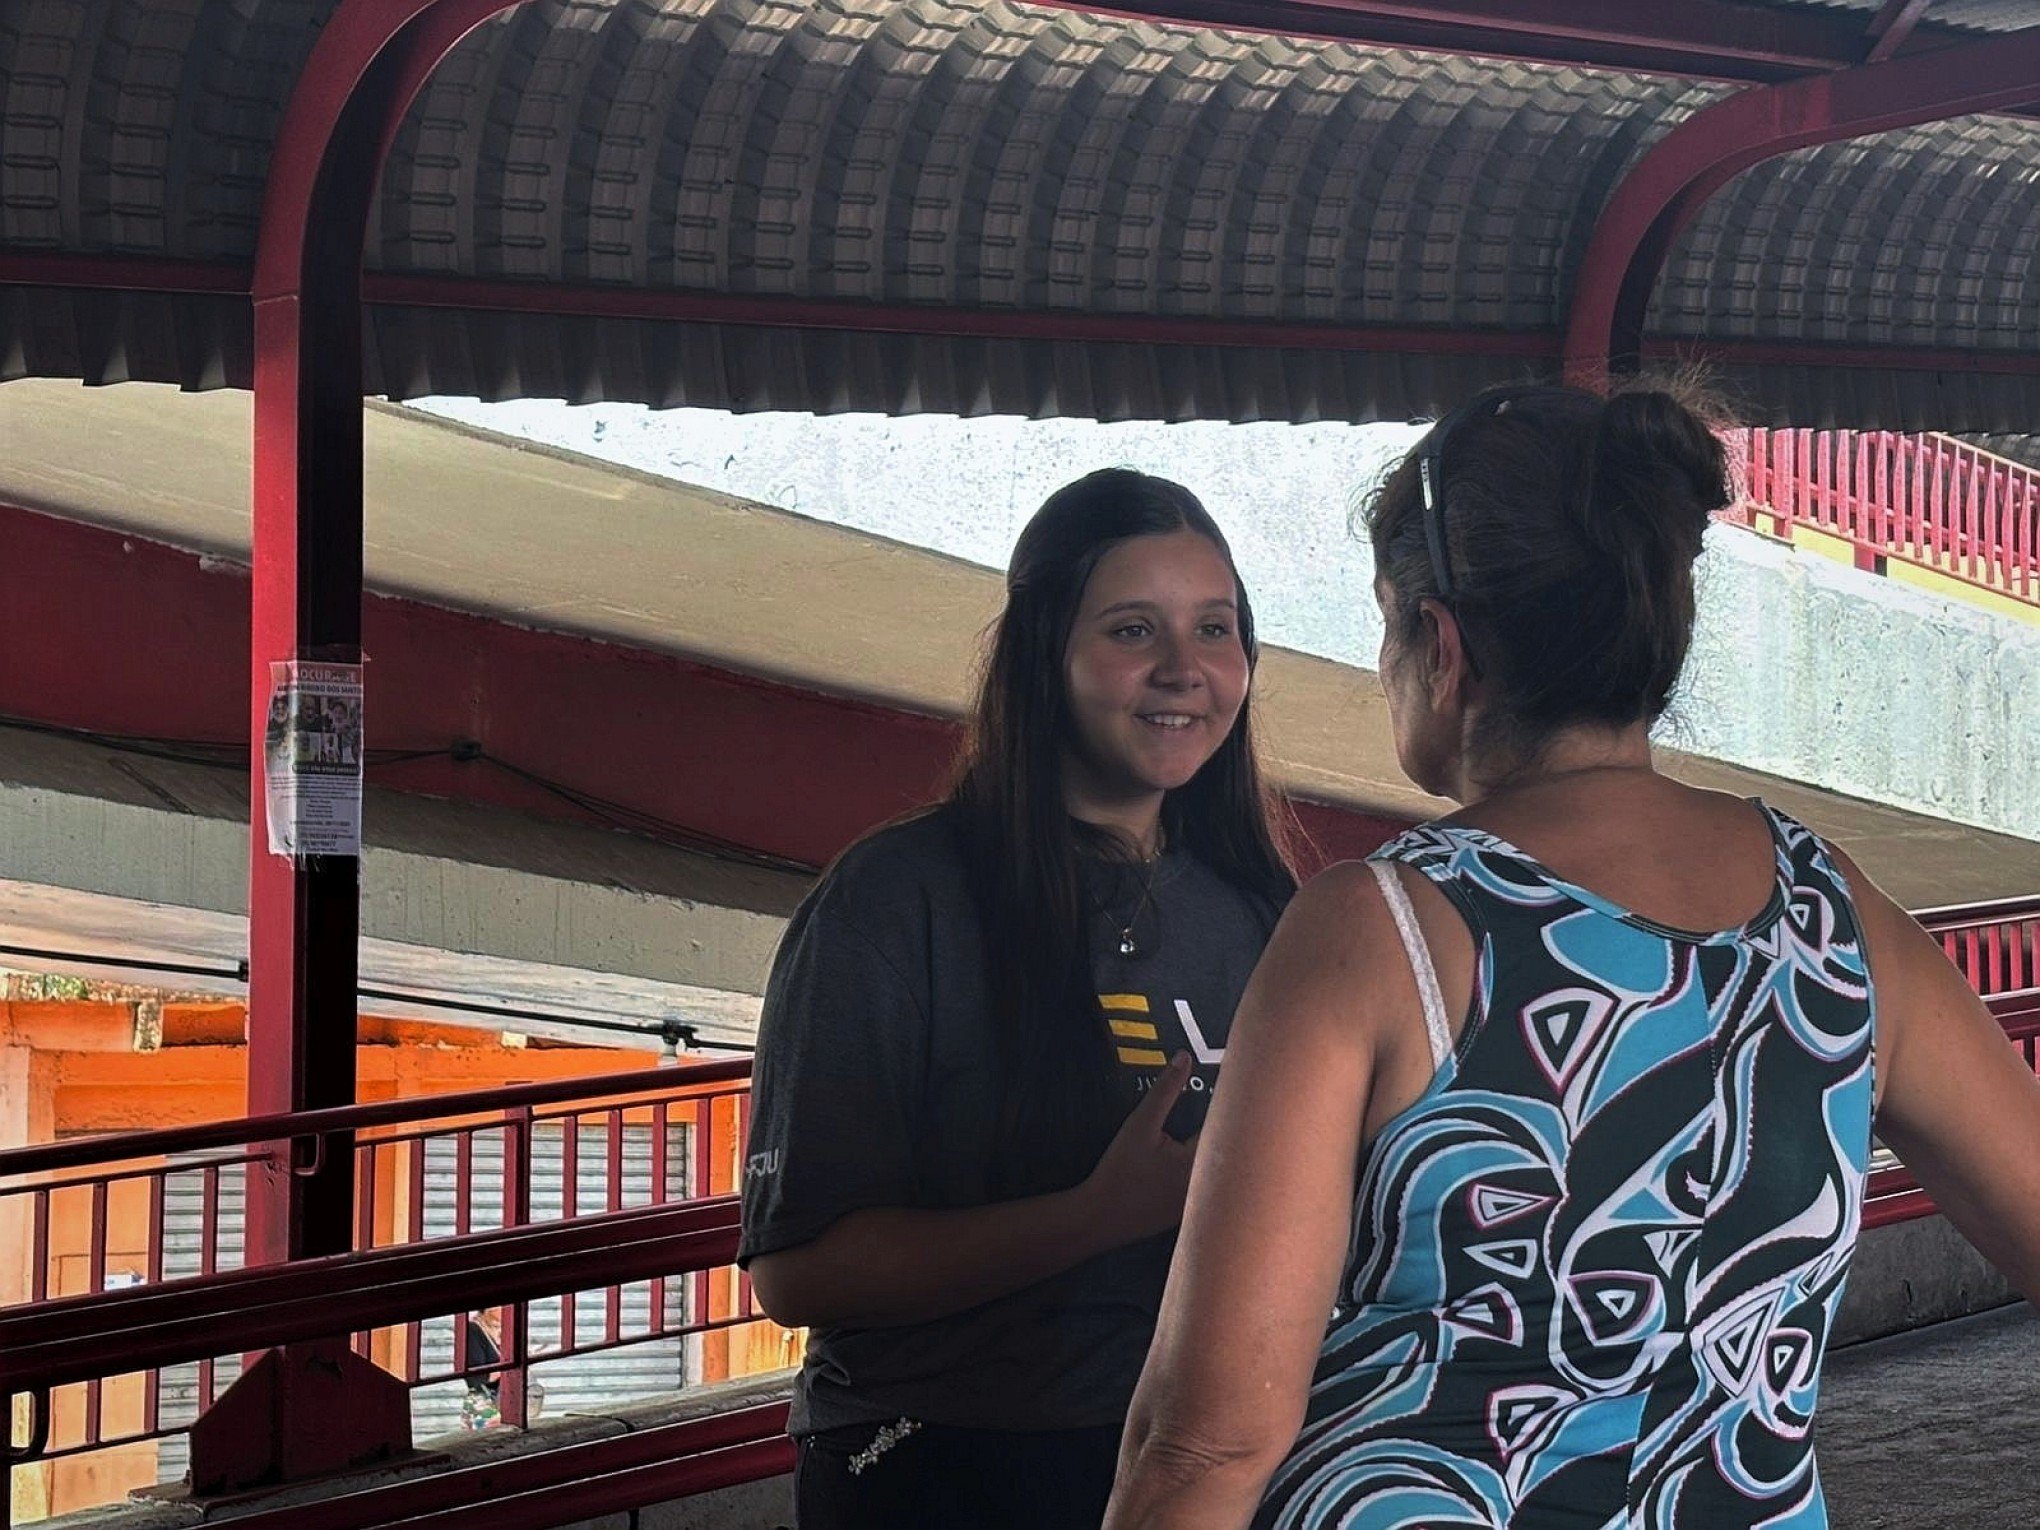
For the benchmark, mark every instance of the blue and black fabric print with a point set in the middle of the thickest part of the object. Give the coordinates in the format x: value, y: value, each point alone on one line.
x: 1594, y: 1267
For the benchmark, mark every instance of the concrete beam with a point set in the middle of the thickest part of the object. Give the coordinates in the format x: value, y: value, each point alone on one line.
x: 126, y: 856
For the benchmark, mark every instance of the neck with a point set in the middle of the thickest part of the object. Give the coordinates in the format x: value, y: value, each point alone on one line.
x: 1573, y: 752
x: 1135, y: 817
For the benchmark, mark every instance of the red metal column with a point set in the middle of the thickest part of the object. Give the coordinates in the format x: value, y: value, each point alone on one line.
x: 1671, y: 183
x: 312, y: 1409
x: 303, y: 915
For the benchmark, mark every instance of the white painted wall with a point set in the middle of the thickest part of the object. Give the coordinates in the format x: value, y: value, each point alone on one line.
x: 1802, y: 667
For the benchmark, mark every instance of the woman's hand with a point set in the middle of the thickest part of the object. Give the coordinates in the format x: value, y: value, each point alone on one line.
x: 1143, y: 1176
x: 893, y: 1265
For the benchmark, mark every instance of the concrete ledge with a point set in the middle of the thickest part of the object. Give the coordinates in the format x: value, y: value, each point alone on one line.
x: 147, y: 859
x: 1914, y: 1274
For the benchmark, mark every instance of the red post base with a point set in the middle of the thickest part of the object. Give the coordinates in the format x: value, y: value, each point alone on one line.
x: 306, y: 1411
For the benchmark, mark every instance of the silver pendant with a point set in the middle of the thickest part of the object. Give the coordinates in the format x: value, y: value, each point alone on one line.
x: 1126, y: 945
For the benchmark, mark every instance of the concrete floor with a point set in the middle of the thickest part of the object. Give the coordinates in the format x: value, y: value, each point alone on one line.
x: 1935, y: 1430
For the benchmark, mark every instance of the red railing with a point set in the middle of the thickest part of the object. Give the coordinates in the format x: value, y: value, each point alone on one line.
x: 428, y: 1170
x: 1997, y: 946
x: 75, y: 1341
x: 1927, y: 500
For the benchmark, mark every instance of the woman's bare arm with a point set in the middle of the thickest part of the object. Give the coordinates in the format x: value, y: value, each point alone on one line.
x: 893, y: 1265
x: 1270, y: 1211
x: 1957, y: 1101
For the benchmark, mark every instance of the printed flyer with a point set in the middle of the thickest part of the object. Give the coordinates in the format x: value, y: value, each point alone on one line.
x: 311, y: 758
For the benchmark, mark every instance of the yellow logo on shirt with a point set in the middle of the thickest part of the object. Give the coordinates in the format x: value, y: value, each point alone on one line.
x: 1132, y: 1022
x: 1121, y: 1012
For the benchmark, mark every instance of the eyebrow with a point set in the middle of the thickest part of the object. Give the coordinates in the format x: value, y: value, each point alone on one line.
x: 1149, y: 605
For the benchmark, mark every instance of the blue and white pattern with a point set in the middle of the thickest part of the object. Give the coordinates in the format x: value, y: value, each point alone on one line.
x: 1594, y: 1267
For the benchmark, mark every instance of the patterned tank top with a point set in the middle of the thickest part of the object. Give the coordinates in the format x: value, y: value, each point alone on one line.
x: 1594, y: 1266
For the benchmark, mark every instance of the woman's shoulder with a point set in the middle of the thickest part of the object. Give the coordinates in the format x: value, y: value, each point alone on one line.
x: 898, y: 869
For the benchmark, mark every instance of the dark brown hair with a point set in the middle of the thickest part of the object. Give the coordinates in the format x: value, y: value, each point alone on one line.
x: 1570, y: 524
x: 1061, y: 1087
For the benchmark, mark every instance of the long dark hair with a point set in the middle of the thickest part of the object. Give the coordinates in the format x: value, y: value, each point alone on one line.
x: 1061, y: 1089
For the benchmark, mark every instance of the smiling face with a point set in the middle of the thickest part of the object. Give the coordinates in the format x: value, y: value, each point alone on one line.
x: 1154, y: 671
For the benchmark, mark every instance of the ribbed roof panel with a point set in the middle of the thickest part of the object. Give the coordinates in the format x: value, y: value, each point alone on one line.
x: 981, y: 155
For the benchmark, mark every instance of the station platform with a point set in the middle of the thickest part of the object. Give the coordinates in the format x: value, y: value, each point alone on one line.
x: 1932, y: 1430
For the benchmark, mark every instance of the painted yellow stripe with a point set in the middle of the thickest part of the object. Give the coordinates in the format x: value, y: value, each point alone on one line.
x: 1142, y: 1057
x: 1127, y: 1003
x: 1139, y: 1029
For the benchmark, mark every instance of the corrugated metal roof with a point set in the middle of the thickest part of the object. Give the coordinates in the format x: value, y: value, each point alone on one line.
x: 1966, y: 15
x: 982, y: 155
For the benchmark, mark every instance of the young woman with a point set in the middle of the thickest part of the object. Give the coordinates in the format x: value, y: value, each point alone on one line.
x: 1560, y: 1106
x: 991, y: 1032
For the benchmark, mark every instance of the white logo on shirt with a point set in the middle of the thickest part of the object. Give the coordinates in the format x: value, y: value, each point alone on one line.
x: 1193, y: 1033
x: 758, y: 1165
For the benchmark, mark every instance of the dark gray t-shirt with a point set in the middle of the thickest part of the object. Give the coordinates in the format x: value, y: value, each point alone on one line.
x: 876, y: 1085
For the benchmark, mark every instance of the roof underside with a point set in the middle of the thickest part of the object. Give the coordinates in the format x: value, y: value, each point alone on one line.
x: 1958, y: 15
x: 981, y: 157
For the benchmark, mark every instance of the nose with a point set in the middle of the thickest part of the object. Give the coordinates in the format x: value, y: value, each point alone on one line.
x: 1175, y: 666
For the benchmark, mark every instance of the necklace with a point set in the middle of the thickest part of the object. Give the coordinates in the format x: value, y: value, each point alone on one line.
x: 1128, y: 945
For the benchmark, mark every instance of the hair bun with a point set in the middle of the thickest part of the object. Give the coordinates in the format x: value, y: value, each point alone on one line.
x: 1648, y: 437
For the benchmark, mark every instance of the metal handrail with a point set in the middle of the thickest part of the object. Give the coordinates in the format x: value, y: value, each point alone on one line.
x: 81, y: 1338
x: 1927, y: 500
x: 287, y: 1126
x: 1994, y: 911
x: 586, y: 1480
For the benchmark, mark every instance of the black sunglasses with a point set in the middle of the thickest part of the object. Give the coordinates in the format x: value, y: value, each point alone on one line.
x: 1431, y: 475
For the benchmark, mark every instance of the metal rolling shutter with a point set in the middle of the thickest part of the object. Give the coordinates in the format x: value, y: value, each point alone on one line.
x: 183, y: 1243
x: 577, y: 1383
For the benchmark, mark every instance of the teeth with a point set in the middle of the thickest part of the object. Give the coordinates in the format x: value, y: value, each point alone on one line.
x: 1168, y: 719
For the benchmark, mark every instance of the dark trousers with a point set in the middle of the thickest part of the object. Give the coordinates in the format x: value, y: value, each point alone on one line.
x: 937, y: 1478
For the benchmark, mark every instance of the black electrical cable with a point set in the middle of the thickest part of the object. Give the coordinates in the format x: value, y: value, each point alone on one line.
x: 126, y: 963
x: 617, y: 815
x: 637, y: 821
x: 677, y: 1032
x: 685, y: 1033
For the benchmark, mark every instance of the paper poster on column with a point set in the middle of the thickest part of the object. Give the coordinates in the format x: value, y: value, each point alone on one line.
x: 311, y: 758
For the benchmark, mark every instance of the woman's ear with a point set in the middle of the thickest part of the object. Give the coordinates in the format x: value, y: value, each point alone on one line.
x: 1447, y: 674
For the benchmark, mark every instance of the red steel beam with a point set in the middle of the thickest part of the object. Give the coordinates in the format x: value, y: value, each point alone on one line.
x: 1673, y: 181
x: 122, y: 273
x: 684, y: 307
x: 495, y: 295
x: 369, y: 61
x: 2005, y: 361
x: 704, y: 748
x: 1893, y: 25
x: 305, y: 1414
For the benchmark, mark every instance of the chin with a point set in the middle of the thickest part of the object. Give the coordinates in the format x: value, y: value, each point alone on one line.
x: 1171, y: 775
x: 1425, y: 777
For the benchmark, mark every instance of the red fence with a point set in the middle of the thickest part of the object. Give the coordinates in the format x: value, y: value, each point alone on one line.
x: 426, y: 1170
x: 78, y: 1340
x: 1926, y: 500
x: 1997, y: 946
